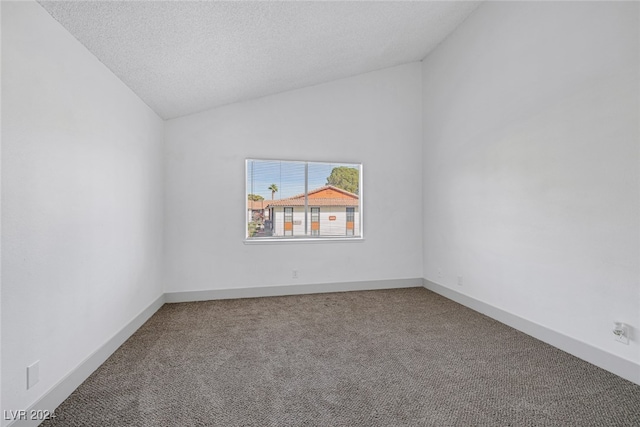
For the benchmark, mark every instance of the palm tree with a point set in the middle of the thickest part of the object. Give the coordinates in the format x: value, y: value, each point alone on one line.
x: 273, y: 189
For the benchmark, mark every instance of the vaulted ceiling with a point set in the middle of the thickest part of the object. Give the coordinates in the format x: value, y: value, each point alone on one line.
x: 182, y: 57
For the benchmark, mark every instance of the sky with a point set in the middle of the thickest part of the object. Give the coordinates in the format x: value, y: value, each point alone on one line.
x: 288, y: 176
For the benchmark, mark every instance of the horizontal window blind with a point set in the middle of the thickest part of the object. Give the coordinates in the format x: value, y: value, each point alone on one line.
x: 303, y: 199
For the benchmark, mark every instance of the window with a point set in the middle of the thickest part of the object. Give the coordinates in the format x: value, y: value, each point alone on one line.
x: 350, y: 221
x: 288, y: 222
x: 315, y: 221
x: 294, y: 200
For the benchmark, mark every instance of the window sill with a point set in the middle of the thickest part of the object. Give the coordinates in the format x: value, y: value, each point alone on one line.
x: 276, y: 241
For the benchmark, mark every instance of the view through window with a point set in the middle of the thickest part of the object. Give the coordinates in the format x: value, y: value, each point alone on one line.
x: 296, y: 199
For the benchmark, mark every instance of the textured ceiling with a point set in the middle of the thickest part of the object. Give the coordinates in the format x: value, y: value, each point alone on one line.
x: 182, y: 57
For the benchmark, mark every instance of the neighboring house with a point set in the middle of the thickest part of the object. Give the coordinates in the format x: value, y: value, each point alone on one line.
x: 332, y: 212
x: 256, y: 210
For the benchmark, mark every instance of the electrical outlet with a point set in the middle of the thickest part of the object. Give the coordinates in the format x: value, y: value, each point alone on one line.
x: 33, y: 374
x: 294, y: 274
x: 459, y: 280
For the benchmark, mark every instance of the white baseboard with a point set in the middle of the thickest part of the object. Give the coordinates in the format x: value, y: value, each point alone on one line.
x: 61, y: 390
x: 273, y: 291
x: 605, y: 360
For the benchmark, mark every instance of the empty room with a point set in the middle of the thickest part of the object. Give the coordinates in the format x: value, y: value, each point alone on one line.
x: 324, y: 213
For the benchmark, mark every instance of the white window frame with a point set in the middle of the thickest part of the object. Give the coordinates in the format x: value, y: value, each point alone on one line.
x: 359, y: 237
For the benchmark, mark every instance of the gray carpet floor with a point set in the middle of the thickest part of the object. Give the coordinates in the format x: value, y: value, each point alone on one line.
x: 402, y: 357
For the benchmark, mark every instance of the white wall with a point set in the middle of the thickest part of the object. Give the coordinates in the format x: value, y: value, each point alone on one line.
x: 81, y: 203
x: 372, y: 118
x: 531, y: 165
x: 1, y: 406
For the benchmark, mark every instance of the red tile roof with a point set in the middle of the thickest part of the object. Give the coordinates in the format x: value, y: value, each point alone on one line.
x: 323, y: 188
x: 314, y: 202
x: 256, y: 205
x: 346, y: 199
